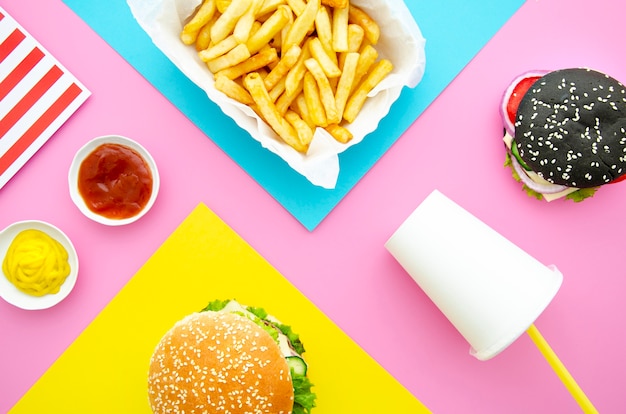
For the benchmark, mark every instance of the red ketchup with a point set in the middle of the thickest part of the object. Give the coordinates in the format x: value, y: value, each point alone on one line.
x: 115, y: 181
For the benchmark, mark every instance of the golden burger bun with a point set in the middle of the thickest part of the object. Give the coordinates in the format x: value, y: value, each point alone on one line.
x: 219, y: 362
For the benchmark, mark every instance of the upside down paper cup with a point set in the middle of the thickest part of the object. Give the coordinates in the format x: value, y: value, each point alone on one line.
x: 491, y: 290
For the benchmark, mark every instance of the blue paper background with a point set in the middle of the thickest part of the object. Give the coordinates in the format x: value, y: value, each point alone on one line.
x: 455, y: 30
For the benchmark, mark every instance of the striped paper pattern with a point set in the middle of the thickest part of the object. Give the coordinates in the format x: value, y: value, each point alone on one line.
x: 37, y: 95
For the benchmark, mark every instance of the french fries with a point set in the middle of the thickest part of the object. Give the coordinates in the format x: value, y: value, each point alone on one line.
x: 346, y: 81
x: 284, y: 65
x: 200, y: 18
x: 233, y: 90
x: 313, y: 101
x: 329, y: 67
x: 267, y: 110
x: 262, y: 59
x: 302, y: 24
x: 327, y: 97
x: 356, y: 101
x: 225, y: 24
x: 340, y: 29
x: 299, y: 64
x: 358, y: 16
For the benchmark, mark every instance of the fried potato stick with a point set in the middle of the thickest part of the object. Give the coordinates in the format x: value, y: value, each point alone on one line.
x: 258, y: 61
x: 203, y: 39
x: 356, y: 101
x: 199, y: 19
x: 336, y: 3
x: 340, y: 29
x: 323, y: 29
x: 235, y: 56
x: 284, y: 31
x: 285, y: 63
x: 277, y: 91
x: 303, y: 130
x: 340, y: 133
x: 313, y: 100
x: 218, y: 49
x: 302, y: 24
x: 344, y: 87
x: 367, y: 57
x: 225, y: 24
x: 285, y: 100
x: 355, y: 38
x: 297, y: 6
x: 222, y: 5
x: 358, y: 16
x: 299, y: 105
x: 266, y: 107
x: 270, y: 5
x: 325, y: 91
x: 296, y: 73
x: 270, y: 27
x: 317, y: 51
x: 233, y: 90
x: 244, y: 24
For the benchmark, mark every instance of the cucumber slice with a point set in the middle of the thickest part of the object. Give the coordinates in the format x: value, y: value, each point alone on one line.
x: 297, y: 365
x: 515, y: 153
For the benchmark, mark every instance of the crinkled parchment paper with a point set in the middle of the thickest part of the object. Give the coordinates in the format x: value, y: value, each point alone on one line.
x: 401, y: 42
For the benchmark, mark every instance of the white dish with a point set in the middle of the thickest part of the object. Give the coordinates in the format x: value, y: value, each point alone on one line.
x: 87, y: 149
x: 16, y: 297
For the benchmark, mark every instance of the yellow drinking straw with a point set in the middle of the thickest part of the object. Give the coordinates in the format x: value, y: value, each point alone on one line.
x: 561, y: 371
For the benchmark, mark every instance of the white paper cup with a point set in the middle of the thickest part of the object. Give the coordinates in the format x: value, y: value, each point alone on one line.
x: 489, y: 289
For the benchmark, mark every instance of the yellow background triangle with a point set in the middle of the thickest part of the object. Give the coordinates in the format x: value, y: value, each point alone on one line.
x: 105, y: 369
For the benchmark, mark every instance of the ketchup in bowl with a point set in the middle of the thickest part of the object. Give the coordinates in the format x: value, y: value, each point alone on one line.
x: 115, y: 181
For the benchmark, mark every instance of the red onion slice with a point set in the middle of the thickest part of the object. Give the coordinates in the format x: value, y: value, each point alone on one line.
x: 508, y: 125
x: 545, y: 188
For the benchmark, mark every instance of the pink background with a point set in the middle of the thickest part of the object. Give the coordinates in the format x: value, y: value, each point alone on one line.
x: 342, y: 266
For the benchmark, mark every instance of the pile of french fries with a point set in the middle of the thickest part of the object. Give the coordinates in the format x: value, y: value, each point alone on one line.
x: 299, y: 64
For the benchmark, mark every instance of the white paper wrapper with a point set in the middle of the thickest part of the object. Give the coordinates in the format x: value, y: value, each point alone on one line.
x: 401, y: 42
x: 489, y: 289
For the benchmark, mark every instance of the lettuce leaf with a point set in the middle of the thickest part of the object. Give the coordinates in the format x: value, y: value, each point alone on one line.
x: 304, y: 399
x: 583, y: 193
x: 294, y: 338
x: 216, y: 305
x: 259, y: 312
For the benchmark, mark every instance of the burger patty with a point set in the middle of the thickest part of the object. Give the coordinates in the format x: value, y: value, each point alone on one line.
x: 571, y: 128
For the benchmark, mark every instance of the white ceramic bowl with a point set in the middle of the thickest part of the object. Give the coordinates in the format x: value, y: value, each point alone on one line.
x: 87, y: 149
x: 16, y: 297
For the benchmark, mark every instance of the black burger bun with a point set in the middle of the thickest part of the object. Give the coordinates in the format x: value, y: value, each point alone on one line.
x: 571, y: 128
x: 213, y: 362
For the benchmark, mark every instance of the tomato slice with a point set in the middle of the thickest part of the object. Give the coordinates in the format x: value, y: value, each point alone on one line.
x: 518, y: 93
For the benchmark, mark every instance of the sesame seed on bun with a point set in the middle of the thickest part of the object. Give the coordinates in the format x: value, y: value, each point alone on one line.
x: 571, y: 128
x: 219, y: 362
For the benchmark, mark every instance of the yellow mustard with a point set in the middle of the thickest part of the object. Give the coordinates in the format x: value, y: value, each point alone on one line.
x: 36, y: 263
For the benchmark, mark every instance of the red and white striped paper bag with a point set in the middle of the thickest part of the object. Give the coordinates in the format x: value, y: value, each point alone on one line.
x: 37, y: 95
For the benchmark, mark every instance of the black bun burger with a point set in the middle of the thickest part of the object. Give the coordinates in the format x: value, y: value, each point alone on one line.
x: 565, y: 132
x: 229, y: 358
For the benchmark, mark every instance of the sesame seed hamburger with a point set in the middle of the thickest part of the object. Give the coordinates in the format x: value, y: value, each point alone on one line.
x: 229, y: 358
x: 565, y: 132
